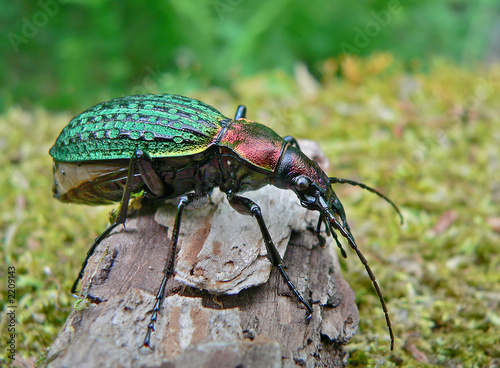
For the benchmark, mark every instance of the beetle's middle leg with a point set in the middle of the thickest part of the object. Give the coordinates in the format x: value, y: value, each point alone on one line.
x: 246, y: 206
x: 169, y: 266
x: 152, y: 182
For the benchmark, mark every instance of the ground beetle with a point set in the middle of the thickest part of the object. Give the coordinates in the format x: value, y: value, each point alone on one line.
x: 169, y: 146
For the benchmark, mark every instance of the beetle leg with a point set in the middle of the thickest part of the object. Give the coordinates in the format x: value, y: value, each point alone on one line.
x: 342, y: 250
x: 89, y: 254
x: 148, y: 174
x: 241, y: 112
x: 322, y: 240
x: 292, y: 141
x: 321, y: 220
x: 120, y: 219
x: 328, y: 230
x: 246, y: 206
x: 169, y: 266
x: 317, y: 230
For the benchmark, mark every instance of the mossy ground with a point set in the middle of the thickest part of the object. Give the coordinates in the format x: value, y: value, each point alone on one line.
x: 430, y: 141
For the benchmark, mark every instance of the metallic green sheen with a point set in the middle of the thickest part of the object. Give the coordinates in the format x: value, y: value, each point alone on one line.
x: 161, y: 125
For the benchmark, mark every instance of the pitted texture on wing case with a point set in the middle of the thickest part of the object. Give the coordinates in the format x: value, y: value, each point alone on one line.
x: 160, y: 125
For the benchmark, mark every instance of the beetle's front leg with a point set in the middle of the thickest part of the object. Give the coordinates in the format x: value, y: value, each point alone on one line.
x: 322, y: 241
x: 248, y: 207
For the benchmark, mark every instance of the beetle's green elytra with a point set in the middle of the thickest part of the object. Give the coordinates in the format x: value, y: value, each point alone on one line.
x: 161, y: 125
x: 168, y: 146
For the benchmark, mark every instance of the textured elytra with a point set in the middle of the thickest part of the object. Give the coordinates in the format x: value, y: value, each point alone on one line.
x: 161, y: 125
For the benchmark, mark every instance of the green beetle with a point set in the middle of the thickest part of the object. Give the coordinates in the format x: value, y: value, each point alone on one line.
x: 172, y: 146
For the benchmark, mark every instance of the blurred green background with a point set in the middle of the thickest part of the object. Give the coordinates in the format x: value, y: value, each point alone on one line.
x: 69, y: 54
x: 401, y: 95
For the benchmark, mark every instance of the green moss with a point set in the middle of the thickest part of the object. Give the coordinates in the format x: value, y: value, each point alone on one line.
x: 429, y: 141
x: 41, y: 238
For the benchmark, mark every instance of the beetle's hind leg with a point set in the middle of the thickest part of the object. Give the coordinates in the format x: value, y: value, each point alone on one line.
x: 91, y: 251
x: 246, y: 206
x: 152, y: 182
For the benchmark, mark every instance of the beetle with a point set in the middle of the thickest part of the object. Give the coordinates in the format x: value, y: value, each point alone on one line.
x: 169, y: 146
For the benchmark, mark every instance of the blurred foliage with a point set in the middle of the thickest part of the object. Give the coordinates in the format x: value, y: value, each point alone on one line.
x: 73, y: 53
x: 428, y: 140
x: 419, y: 127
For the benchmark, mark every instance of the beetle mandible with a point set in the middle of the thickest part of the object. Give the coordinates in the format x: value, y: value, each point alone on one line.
x: 172, y: 146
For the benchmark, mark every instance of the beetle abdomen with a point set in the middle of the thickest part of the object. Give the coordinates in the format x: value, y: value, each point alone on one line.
x: 160, y: 125
x: 92, y: 183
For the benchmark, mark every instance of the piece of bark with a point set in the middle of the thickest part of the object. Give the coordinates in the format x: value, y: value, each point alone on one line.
x: 247, y: 318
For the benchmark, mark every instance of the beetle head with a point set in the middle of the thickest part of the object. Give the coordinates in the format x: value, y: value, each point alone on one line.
x: 297, y: 172
x: 313, y: 188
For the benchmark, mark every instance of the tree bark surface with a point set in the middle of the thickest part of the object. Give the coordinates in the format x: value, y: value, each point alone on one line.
x: 226, y: 305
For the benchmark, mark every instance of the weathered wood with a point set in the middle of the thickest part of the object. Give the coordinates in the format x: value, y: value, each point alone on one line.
x: 226, y: 307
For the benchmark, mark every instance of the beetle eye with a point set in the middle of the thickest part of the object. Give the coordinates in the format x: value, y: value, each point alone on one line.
x: 302, y: 183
